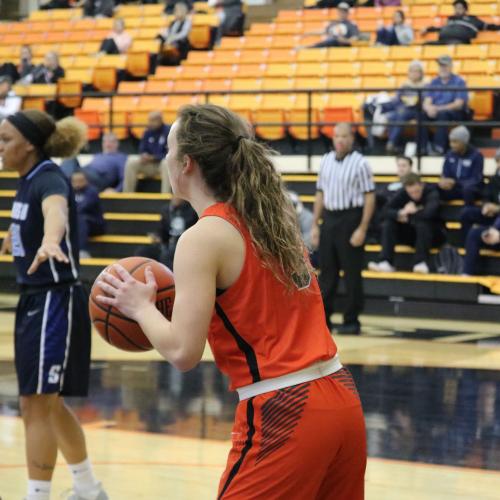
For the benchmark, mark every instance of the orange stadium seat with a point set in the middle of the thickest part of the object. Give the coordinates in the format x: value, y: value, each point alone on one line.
x: 343, y: 69
x: 311, y: 69
x: 298, y: 119
x: 104, y: 79
x: 252, y: 56
x: 277, y: 84
x: 149, y: 46
x: 199, y: 37
x: 254, y: 84
x: 219, y: 100
x: 216, y: 85
x: 376, y: 68
x: 281, y: 56
x: 136, y: 88
x: 330, y: 116
x: 199, y: 58
x: 471, y: 51
x: 310, y: 82
x: 432, y: 52
x: 117, y: 61
x: 342, y: 54
x: 250, y: 70
x: 138, y: 121
x: 158, y: 86
x: 312, y: 55
x: 152, y: 103
x: 227, y: 57
x: 280, y: 69
x: 187, y: 86
x: 69, y: 87
x: 138, y: 63
x: 373, y: 54
x: 337, y: 82
x: 398, y: 53
x: 269, y: 132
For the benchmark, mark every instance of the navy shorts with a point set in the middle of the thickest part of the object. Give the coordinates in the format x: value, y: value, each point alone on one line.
x: 52, y: 341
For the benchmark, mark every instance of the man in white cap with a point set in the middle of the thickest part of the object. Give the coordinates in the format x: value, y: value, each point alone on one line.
x: 442, y: 104
x: 462, y: 177
x: 342, y: 32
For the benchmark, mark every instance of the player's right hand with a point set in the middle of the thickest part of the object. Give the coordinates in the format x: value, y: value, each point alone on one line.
x: 45, y: 252
x: 6, y: 246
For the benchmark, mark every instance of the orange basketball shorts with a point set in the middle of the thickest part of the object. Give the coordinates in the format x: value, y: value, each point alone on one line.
x: 303, y: 442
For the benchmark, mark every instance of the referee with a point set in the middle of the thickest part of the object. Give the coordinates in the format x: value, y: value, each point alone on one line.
x: 345, y: 200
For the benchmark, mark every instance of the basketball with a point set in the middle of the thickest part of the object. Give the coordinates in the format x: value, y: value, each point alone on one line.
x: 115, y: 328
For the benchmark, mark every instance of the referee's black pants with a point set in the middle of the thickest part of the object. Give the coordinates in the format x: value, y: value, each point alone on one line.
x: 335, y: 254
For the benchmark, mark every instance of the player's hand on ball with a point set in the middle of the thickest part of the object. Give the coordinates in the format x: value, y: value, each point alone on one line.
x: 45, y: 252
x: 127, y: 294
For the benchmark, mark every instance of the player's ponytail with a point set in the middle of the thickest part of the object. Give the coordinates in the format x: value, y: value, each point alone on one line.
x: 60, y: 139
x: 240, y: 171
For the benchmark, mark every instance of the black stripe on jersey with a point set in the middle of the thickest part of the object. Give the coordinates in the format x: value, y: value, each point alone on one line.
x: 245, y: 450
x: 280, y: 416
x: 242, y: 344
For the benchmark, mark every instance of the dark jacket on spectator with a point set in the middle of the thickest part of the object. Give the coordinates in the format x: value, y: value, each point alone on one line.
x: 88, y: 204
x: 41, y: 74
x: 93, y: 8
x: 466, y: 169
x: 430, y: 204
x: 461, y: 29
x: 154, y: 142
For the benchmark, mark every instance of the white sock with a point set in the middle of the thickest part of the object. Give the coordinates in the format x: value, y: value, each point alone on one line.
x: 84, y: 481
x: 38, y: 490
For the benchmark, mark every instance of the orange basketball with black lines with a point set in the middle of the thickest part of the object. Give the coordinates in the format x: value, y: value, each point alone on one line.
x: 115, y: 328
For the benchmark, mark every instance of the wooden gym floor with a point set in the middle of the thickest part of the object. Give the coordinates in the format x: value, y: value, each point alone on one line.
x: 430, y: 389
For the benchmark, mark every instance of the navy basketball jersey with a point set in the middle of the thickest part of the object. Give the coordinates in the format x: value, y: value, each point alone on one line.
x: 27, y: 227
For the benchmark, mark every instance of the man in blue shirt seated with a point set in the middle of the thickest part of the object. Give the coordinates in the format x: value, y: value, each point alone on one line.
x: 441, y: 104
x: 462, y: 176
x: 89, y: 211
x: 105, y: 171
x: 478, y: 237
x: 153, y: 149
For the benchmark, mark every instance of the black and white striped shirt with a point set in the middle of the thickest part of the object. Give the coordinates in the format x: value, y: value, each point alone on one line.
x: 344, y: 182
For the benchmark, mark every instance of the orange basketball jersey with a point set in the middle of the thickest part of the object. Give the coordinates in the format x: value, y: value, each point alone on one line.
x: 260, y: 329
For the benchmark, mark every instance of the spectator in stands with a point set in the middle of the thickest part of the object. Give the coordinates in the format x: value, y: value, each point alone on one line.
x: 118, y: 41
x: 404, y: 107
x: 176, y: 217
x: 345, y: 201
x: 442, y: 104
x: 384, y: 193
x: 404, y: 166
x: 152, y: 149
x: 106, y: 170
x: 90, y: 215
x: 481, y: 225
x: 175, y: 39
x: 10, y: 103
x: 342, y: 32
x: 412, y: 218
x: 170, y: 5
x: 397, y: 34
x: 460, y: 28
x: 231, y: 17
x: 304, y: 216
x: 462, y: 176
x: 26, y: 67
x: 490, y: 207
x: 98, y: 8
x: 50, y: 71
x: 55, y: 4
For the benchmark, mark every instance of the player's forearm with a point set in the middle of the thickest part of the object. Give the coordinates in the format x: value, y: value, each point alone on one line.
x: 318, y: 207
x: 55, y: 222
x: 159, y: 331
x: 368, y: 210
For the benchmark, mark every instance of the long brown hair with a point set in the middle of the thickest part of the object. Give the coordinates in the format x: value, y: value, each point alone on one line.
x: 239, y: 171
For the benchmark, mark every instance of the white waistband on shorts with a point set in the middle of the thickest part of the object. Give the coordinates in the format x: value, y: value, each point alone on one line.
x: 313, y: 372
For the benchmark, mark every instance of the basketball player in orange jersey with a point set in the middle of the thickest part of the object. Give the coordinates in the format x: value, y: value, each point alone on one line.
x: 243, y: 282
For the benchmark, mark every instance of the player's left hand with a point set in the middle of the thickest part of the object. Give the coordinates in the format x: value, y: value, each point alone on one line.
x: 45, y: 252
x: 358, y: 237
x: 127, y: 294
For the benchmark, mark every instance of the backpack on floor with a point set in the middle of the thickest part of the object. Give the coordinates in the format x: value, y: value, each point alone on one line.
x: 449, y: 261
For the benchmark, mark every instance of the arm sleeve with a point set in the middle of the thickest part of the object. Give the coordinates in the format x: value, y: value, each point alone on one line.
x: 143, y: 145
x: 462, y: 94
x: 496, y: 224
x: 320, y: 181
x: 50, y: 184
x: 446, y: 169
x: 431, y: 207
x: 366, y: 183
x: 477, y: 168
x: 394, y: 205
x: 183, y: 33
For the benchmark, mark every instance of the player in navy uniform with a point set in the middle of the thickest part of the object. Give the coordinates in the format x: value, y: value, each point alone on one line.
x: 52, y: 332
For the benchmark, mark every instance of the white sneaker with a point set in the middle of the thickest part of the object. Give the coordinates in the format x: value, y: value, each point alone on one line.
x: 421, y: 268
x: 381, y: 267
x: 73, y: 495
